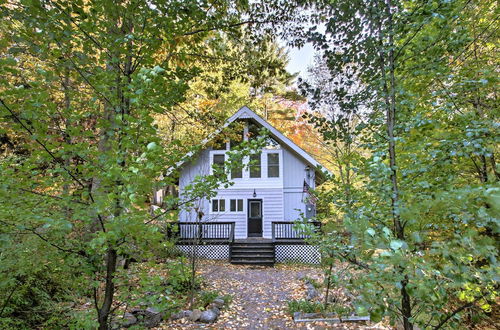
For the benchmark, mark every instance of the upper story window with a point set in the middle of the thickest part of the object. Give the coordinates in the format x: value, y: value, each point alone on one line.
x: 218, y: 162
x: 273, y: 165
x: 255, y: 165
x: 254, y: 131
x: 237, y: 171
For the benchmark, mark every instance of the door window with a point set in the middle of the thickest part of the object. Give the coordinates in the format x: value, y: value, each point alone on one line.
x: 255, y: 209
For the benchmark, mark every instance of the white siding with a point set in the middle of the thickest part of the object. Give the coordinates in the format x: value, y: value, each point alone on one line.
x: 200, y: 166
x: 294, y: 171
x: 272, y: 209
x: 293, y: 185
x: 240, y: 218
x: 281, y: 196
x: 293, y: 204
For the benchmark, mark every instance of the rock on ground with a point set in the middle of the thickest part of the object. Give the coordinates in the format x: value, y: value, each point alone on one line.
x: 129, y: 320
x: 208, y: 316
x: 195, y: 315
x: 218, y: 302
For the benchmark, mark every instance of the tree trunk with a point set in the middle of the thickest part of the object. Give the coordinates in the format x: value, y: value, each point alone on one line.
x: 113, y: 117
x: 328, y: 282
x: 390, y: 100
x: 67, y: 139
x: 196, y: 241
x: 194, y: 252
x: 103, y: 314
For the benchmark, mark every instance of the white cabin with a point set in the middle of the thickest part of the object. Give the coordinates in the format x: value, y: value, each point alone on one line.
x: 274, y: 190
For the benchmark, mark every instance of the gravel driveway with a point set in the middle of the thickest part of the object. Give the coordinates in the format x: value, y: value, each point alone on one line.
x: 260, y: 296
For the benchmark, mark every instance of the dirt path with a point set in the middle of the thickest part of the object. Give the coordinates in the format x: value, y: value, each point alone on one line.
x: 260, y: 296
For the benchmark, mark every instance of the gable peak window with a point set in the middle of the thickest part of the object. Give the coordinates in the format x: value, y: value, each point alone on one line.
x: 253, y: 131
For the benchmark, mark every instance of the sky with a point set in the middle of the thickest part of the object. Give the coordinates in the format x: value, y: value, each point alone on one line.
x: 300, y: 59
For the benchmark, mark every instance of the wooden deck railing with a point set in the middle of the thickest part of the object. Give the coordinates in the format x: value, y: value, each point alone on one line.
x: 206, y: 231
x: 286, y: 231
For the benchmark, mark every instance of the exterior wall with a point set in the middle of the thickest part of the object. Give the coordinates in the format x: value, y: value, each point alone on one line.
x: 200, y: 166
x: 268, y: 189
x: 293, y: 185
x: 282, y: 197
x: 272, y: 209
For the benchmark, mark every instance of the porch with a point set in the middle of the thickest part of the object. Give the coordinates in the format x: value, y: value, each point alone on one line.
x: 223, y: 233
x: 216, y: 240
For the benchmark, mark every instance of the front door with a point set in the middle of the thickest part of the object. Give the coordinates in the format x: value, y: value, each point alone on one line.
x: 255, y: 218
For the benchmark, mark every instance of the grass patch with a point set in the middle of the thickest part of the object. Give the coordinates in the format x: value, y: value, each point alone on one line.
x: 304, y: 306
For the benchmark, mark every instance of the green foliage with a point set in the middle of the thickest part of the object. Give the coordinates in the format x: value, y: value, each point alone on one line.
x: 406, y: 96
x: 84, y: 87
x: 207, y: 297
x: 179, y: 278
x: 34, y: 289
x: 304, y: 306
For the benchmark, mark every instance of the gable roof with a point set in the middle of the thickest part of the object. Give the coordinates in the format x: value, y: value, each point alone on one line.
x: 246, y: 113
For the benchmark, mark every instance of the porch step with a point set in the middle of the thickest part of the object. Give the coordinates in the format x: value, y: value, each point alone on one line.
x: 256, y: 255
x: 260, y: 262
x: 254, y: 245
x: 253, y: 253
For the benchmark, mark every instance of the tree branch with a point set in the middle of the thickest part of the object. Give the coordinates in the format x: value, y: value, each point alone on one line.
x: 57, y: 160
x: 221, y: 27
x: 14, y: 288
x: 455, y: 312
x: 46, y: 240
x: 52, y: 196
x: 72, y: 21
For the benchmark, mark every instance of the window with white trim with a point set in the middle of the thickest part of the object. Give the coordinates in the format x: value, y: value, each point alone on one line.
x: 218, y: 205
x: 237, y: 170
x: 273, y: 165
x: 255, y: 163
x: 218, y: 162
x: 236, y: 205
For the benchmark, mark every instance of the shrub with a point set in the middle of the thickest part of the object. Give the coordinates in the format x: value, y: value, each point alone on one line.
x: 207, y: 297
x: 179, y: 277
x: 34, y: 299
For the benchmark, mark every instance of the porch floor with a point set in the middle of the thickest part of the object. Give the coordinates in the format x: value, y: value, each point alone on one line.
x: 254, y: 240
